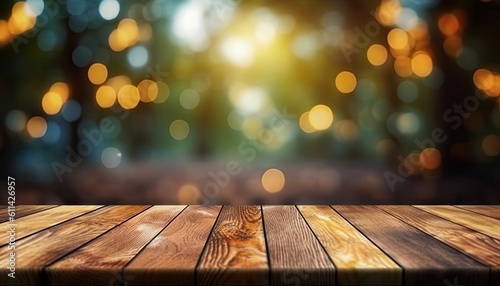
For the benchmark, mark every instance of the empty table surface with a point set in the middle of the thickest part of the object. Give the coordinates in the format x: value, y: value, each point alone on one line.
x: 252, y: 245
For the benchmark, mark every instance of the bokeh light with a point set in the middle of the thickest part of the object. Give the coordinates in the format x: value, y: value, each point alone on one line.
x: 128, y: 96
x: 4, y: 32
x: 320, y: 117
x: 62, y: 89
x: 188, y: 194
x: 22, y: 19
x: 273, y: 180
x: 397, y: 39
x: 421, y: 64
x: 491, y: 145
x: 377, y: 54
x: 148, y: 90
x: 138, y: 56
x: 109, y: 9
x: 52, y: 103
x: 448, y: 24
x: 179, y: 129
x: 53, y: 133
x: 402, y: 66
x: 111, y: 157
x: 346, y: 130
x: 71, y: 110
x: 238, y: 51
x: 36, y: 126
x: 97, y: 73
x: 355, y: 84
x: 430, y: 158
x: 345, y: 82
x: 189, y: 99
x: 16, y: 120
x: 305, y: 123
x: 407, y: 91
x: 105, y: 96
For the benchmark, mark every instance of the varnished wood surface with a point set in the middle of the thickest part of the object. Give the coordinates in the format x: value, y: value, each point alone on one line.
x: 492, y: 211
x: 235, y: 253
x: 173, y: 255
x: 253, y: 245
x: 35, y: 222
x: 294, y: 251
x: 357, y: 259
x: 22, y: 211
x: 424, y: 258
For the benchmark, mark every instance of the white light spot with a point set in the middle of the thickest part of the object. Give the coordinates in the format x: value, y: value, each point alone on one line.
x: 138, y: 56
x: 238, y: 51
x: 189, y: 99
x: 407, y: 19
x: 251, y: 100
x: 111, y: 157
x: 265, y: 32
x: 305, y: 46
x: 109, y: 9
x: 189, y: 26
x: 407, y: 123
x: 36, y: 6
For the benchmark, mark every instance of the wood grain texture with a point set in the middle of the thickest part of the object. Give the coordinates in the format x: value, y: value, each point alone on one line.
x: 358, y: 261
x: 132, y: 245
x: 426, y: 260
x: 38, y: 221
x: 47, y: 246
x: 171, y: 258
x: 102, y: 260
x: 491, y: 211
x: 236, y: 251
x: 475, y: 244
x: 295, y: 254
x: 481, y: 223
x: 23, y: 210
x: 480, y: 246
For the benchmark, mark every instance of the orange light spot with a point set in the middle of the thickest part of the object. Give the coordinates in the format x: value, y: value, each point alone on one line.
x: 448, y: 24
x: 273, y: 180
x: 36, y: 126
x: 430, y: 158
x: 483, y: 79
x: 345, y: 82
x: 97, y: 73
x: 421, y: 64
x: 452, y: 45
x: 105, y: 96
x: 402, y: 66
x: 397, y: 39
x: 377, y: 54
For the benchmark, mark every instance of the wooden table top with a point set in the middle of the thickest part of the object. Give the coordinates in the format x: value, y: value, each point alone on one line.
x: 253, y: 245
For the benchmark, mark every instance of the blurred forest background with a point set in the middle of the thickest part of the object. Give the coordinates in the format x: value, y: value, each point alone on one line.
x: 242, y: 102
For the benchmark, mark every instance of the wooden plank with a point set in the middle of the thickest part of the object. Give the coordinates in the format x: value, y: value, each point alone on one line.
x: 102, y: 260
x: 236, y: 251
x: 424, y: 259
x: 295, y: 254
x: 47, y: 246
x: 480, y: 246
x: 477, y: 245
x: 172, y: 256
x: 491, y: 210
x: 39, y: 221
x: 481, y: 223
x: 23, y: 210
x: 358, y: 261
